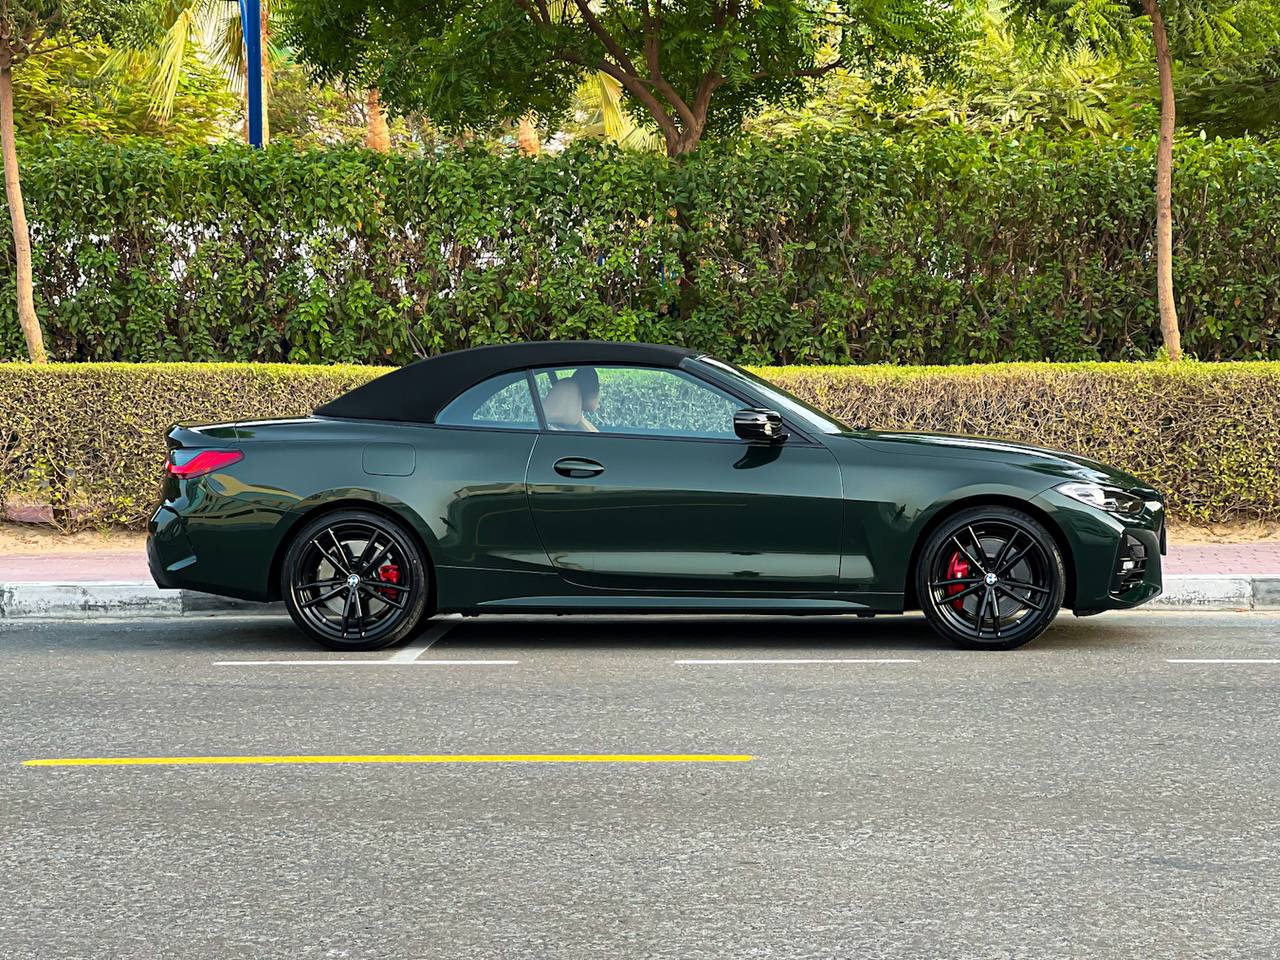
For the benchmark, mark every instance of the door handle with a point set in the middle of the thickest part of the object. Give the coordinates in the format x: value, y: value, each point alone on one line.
x: 578, y: 467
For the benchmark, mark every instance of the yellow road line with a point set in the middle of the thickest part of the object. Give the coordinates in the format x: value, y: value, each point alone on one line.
x: 399, y: 758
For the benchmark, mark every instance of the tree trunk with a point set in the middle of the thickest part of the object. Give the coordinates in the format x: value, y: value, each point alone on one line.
x: 527, y: 138
x: 1164, y: 185
x: 27, y: 318
x: 377, y: 135
x: 677, y: 149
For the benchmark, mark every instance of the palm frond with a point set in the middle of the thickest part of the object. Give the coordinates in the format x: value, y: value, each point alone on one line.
x: 166, y: 69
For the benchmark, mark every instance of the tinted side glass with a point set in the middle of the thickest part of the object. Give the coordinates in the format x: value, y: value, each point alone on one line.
x: 502, y: 402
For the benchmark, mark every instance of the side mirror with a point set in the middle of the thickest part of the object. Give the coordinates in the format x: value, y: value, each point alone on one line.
x: 756, y: 425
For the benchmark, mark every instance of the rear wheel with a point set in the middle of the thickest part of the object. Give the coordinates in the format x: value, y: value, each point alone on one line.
x: 990, y: 578
x: 355, y: 580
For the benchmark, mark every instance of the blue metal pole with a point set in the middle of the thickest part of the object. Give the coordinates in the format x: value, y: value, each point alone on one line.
x: 251, y: 24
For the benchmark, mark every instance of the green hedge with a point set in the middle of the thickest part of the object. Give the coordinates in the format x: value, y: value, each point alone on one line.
x: 944, y: 249
x: 88, y: 438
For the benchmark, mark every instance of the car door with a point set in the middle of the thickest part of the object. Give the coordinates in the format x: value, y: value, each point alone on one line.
x: 643, y: 485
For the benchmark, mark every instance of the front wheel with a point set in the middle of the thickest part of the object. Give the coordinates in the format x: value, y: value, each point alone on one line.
x: 990, y: 578
x: 355, y: 580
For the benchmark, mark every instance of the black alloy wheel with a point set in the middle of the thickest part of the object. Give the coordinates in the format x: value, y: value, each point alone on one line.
x: 355, y: 580
x: 990, y: 578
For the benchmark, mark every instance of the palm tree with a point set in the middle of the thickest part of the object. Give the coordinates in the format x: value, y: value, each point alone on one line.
x: 216, y: 27
x: 600, y: 97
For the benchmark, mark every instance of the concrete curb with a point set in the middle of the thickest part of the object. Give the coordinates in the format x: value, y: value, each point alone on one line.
x: 122, y: 600
x: 1255, y: 591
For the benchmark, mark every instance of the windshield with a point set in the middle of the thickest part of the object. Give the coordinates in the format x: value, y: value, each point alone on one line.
x: 780, y: 400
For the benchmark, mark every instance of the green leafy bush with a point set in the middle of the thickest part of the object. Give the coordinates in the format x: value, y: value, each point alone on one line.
x: 944, y: 249
x: 88, y: 439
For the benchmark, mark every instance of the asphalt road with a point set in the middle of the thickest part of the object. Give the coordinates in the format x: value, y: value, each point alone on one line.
x: 1080, y: 797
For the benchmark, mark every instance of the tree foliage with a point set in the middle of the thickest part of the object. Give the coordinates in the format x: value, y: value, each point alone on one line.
x: 689, y: 67
x: 67, y: 94
x: 1237, y: 91
x: 1005, y: 85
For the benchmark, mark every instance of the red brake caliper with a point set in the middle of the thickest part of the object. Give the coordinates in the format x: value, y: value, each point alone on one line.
x: 957, y: 568
x: 389, y: 573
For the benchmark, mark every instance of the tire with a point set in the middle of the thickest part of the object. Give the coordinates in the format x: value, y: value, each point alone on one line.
x: 955, y: 571
x: 355, y: 580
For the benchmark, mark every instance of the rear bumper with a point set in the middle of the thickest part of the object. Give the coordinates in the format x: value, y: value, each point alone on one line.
x: 175, y: 564
x: 170, y: 556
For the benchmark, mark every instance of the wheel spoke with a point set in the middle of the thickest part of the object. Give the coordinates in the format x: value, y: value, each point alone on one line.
x: 958, y: 582
x: 362, y: 563
x: 382, y: 585
x: 378, y: 558
x: 995, y: 611
x: 389, y: 602
x: 968, y: 592
x: 377, y: 594
x: 321, y: 599
x: 981, y: 611
x: 359, y: 610
x: 321, y: 583
x: 977, y: 545
x: 1009, y: 564
x: 1022, y: 600
x: 338, y: 564
x: 342, y: 551
x: 1023, y: 585
x: 968, y: 556
x: 346, y: 610
x: 1004, y: 551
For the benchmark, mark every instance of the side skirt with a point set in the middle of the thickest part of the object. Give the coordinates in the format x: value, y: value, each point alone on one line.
x: 794, y: 606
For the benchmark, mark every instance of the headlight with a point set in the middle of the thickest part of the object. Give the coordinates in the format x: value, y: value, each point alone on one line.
x: 1110, y: 499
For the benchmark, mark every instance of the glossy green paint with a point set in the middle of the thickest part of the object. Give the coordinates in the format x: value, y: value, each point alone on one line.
x: 820, y: 523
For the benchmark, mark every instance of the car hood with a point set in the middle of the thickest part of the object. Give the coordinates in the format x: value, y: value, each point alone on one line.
x: 1056, y: 465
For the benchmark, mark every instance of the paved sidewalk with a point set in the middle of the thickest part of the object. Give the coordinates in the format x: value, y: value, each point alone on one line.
x: 1224, y: 559
x: 75, y: 567
x: 1219, y: 559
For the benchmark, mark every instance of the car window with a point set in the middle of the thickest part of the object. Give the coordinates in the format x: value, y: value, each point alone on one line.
x: 634, y: 400
x: 503, y: 402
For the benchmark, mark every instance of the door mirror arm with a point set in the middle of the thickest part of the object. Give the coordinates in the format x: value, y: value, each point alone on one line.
x: 761, y: 426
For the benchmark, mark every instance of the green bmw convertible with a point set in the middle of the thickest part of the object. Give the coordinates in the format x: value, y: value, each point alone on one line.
x: 594, y: 477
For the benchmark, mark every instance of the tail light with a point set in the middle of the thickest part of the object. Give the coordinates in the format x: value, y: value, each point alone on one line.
x: 195, y: 463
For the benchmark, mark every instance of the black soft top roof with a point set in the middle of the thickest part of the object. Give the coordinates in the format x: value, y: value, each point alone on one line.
x: 418, y: 391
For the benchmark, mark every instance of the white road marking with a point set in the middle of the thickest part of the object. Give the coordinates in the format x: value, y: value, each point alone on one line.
x: 420, y: 646
x: 363, y: 663
x: 797, y: 660
x: 1224, y: 660
x: 404, y: 657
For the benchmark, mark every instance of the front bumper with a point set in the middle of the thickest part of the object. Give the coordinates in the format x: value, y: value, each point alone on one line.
x: 1115, y: 563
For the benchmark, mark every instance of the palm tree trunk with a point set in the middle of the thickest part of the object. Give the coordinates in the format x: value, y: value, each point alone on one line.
x: 266, y: 75
x: 244, y: 99
x: 27, y: 318
x: 1169, y: 331
x: 377, y: 135
x: 527, y: 138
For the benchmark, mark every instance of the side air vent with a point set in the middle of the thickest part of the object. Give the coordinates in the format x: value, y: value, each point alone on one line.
x: 1131, y: 566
